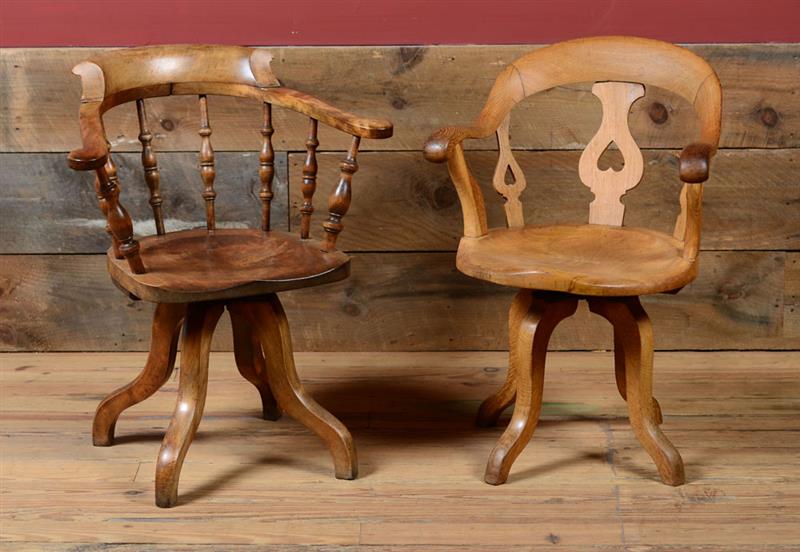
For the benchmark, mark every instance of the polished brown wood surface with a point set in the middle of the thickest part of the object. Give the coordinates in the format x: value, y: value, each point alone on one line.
x: 138, y: 73
x: 602, y: 262
x: 248, y: 484
x: 193, y: 274
x: 194, y: 265
x: 167, y: 323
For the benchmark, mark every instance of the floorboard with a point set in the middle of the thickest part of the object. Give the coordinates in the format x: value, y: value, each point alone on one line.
x: 582, y: 483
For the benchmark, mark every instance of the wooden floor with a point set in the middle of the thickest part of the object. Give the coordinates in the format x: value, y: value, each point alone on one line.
x: 582, y: 483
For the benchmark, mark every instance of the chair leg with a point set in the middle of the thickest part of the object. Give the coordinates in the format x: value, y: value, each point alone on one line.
x: 533, y: 335
x: 167, y: 321
x: 251, y: 364
x: 201, y: 319
x: 491, y: 409
x: 636, y: 334
x: 269, y: 318
x: 619, y: 372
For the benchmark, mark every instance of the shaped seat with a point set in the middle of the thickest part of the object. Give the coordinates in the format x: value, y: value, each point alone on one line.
x: 590, y: 259
x: 195, y: 265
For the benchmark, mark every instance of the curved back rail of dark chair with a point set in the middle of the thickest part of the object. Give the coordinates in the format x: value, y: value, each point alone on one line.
x: 137, y: 74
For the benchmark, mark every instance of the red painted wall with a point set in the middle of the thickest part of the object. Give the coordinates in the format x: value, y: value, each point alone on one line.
x: 351, y: 22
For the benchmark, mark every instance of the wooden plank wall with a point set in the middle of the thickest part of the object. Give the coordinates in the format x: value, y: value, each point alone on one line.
x: 404, y: 225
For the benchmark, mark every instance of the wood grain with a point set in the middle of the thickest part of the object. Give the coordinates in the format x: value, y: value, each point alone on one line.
x: 750, y: 202
x: 48, y: 208
x: 583, y: 482
x: 67, y: 302
x: 418, y: 88
x: 791, y: 295
x: 418, y: 205
x: 194, y: 266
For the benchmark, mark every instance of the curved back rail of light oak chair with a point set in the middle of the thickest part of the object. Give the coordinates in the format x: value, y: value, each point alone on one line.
x: 603, y: 262
x: 599, y: 60
x: 194, y: 275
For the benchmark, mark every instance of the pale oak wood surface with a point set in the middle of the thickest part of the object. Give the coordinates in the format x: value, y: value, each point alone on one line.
x: 583, y: 482
x: 587, y: 259
x: 592, y: 261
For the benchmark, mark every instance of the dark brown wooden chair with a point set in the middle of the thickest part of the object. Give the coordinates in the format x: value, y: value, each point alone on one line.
x: 607, y: 264
x: 193, y: 275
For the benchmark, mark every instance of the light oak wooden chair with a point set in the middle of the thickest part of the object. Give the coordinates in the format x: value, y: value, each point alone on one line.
x: 193, y: 275
x: 607, y: 264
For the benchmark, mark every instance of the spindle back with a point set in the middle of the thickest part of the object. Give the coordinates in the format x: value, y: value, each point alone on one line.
x: 137, y: 74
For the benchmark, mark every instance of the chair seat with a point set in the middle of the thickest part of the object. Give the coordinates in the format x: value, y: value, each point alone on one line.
x: 195, y: 265
x: 589, y: 259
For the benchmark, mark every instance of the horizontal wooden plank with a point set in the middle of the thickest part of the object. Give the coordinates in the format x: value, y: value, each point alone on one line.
x: 418, y: 88
x: 394, y: 302
x: 791, y: 296
x: 48, y: 208
x: 401, y: 202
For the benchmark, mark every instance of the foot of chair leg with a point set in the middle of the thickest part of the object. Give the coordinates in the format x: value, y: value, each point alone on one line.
x: 251, y: 364
x: 491, y: 409
x: 269, y: 319
x: 160, y: 362
x: 201, y: 319
x: 532, y: 336
x: 636, y: 335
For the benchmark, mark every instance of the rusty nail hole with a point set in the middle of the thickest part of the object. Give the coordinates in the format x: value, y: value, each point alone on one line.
x: 658, y: 113
x: 768, y: 116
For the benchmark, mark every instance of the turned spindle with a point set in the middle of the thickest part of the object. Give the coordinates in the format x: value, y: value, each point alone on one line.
x: 117, y: 218
x: 266, y: 168
x: 104, y: 209
x: 309, y: 179
x: 339, y: 200
x: 207, y: 171
x: 151, y: 175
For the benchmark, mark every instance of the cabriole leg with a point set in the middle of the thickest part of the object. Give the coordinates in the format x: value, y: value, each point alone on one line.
x: 493, y: 407
x: 533, y: 335
x: 201, y: 319
x: 269, y: 319
x: 636, y: 334
x: 160, y: 362
x: 619, y: 372
x: 251, y: 364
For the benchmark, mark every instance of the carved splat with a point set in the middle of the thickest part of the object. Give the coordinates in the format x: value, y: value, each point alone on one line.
x: 506, y: 163
x: 207, y: 170
x: 151, y: 176
x: 609, y: 185
x: 309, y: 179
x: 266, y: 168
